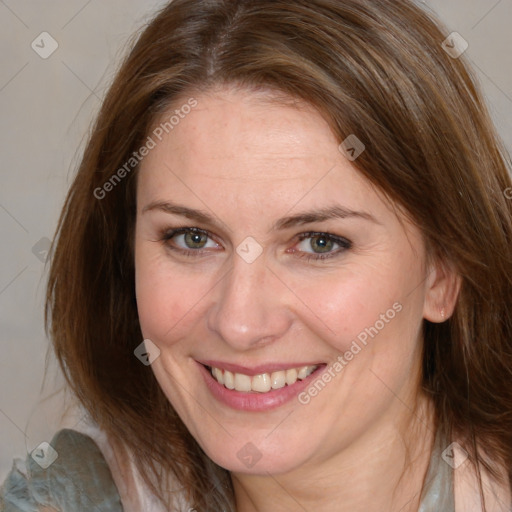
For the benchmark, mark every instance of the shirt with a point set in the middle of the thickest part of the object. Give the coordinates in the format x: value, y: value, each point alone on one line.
x: 80, y: 478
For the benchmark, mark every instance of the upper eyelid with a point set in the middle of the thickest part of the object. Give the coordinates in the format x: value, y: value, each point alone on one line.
x: 173, y: 232
x: 180, y: 230
x: 343, y: 242
x: 312, y: 234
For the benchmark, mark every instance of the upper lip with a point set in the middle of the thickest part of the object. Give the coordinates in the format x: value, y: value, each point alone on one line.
x: 257, y: 369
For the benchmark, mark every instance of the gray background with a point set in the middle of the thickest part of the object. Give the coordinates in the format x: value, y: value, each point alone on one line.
x: 46, y: 108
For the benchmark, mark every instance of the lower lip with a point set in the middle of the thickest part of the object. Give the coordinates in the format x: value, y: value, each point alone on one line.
x: 256, y: 401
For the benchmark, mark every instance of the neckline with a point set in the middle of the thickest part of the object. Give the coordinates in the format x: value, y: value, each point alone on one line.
x: 438, y: 491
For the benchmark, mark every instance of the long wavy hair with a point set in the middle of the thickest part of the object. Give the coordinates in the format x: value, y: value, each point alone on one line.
x: 375, y: 68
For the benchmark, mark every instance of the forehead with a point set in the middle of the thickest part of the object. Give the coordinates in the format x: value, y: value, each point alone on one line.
x: 239, y: 145
x: 237, y: 125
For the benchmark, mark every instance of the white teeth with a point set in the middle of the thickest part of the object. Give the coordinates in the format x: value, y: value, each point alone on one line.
x: 291, y: 376
x: 306, y: 371
x: 229, y: 380
x: 263, y: 382
x: 302, y: 373
x: 278, y: 380
x: 242, y: 382
x: 217, y: 373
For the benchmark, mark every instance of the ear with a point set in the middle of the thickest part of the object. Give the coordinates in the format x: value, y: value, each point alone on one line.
x: 441, y: 292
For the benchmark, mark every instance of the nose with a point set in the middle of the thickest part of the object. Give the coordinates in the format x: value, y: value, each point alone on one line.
x: 249, y: 307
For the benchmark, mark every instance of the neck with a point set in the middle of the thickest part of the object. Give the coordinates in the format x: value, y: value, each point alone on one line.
x: 384, y: 469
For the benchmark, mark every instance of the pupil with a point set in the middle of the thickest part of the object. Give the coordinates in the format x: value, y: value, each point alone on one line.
x: 194, y: 239
x: 322, y: 243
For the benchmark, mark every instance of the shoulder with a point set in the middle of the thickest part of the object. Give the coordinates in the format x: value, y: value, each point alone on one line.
x: 68, y: 473
x: 467, y: 490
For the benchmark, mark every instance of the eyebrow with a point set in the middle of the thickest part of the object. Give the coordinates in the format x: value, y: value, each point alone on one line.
x: 308, y: 217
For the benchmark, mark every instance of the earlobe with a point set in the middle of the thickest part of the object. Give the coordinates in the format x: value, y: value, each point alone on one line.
x: 441, y: 293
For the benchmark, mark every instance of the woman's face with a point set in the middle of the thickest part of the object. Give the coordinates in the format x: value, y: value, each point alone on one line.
x: 285, y: 258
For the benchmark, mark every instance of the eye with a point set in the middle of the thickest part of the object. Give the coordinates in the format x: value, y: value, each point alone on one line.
x: 321, y: 245
x: 189, y: 240
x: 192, y: 241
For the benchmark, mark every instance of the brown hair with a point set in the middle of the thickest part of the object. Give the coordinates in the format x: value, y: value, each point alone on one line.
x: 374, y: 68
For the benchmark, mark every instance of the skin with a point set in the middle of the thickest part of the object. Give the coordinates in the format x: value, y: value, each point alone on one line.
x: 247, y: 161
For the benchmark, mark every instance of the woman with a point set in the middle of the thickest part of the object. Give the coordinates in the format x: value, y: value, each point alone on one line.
x: 300, y: 208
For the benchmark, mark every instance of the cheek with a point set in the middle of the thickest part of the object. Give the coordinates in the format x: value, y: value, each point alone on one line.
x: 167, y: 300
x: 354, y: 302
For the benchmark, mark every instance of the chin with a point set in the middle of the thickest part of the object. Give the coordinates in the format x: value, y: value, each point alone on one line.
x: 254, y: 460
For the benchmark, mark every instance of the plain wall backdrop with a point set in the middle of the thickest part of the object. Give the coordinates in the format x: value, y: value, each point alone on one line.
x: 47, y: 103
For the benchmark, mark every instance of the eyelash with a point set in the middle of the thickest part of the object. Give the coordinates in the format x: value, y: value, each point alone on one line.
x: 342, y: 242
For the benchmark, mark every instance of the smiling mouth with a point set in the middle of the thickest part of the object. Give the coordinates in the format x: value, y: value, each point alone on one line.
x: 263, y: 382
